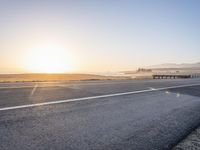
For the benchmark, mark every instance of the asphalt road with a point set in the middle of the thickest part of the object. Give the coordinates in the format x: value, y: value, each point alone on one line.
x: 151, y: 119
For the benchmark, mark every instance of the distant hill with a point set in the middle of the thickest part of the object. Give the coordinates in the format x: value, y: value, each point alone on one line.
x: 173, y: 65
x: 168, y: 67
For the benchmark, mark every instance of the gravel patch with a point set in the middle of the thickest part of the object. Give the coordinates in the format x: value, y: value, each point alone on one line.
x: 191, y: 142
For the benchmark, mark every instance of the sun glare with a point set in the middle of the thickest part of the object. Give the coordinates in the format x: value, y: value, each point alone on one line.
x: 48, y: 59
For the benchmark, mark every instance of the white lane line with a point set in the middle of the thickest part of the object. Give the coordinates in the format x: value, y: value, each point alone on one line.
x: 94, y: 97
x: 34, y: 89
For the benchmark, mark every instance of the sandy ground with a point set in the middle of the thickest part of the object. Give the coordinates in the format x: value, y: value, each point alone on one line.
x: 55, y: 77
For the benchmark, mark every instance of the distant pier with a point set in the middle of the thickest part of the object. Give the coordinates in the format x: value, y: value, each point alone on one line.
x: 174, y: 76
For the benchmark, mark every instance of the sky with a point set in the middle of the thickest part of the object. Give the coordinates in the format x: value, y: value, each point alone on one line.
x: 97, y: 35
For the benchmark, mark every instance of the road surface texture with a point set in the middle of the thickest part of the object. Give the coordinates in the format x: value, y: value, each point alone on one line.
x: 98, y: 115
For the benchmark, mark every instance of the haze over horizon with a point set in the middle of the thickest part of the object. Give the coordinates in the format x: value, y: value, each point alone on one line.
x: 59, y: 36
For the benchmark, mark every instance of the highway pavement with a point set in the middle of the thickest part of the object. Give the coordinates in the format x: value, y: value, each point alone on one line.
x: 90, y: 115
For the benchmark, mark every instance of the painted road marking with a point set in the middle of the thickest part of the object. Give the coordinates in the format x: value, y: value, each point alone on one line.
x: 34, y: 89
x: 94, y: 97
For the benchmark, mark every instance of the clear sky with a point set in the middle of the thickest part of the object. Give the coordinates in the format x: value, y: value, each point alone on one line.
x: 97, y: 35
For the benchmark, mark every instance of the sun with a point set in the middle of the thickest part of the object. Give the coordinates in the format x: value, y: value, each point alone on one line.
x: 48, y: 59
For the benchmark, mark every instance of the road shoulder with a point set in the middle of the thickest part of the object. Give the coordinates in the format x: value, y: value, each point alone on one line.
x: 191, y: 142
